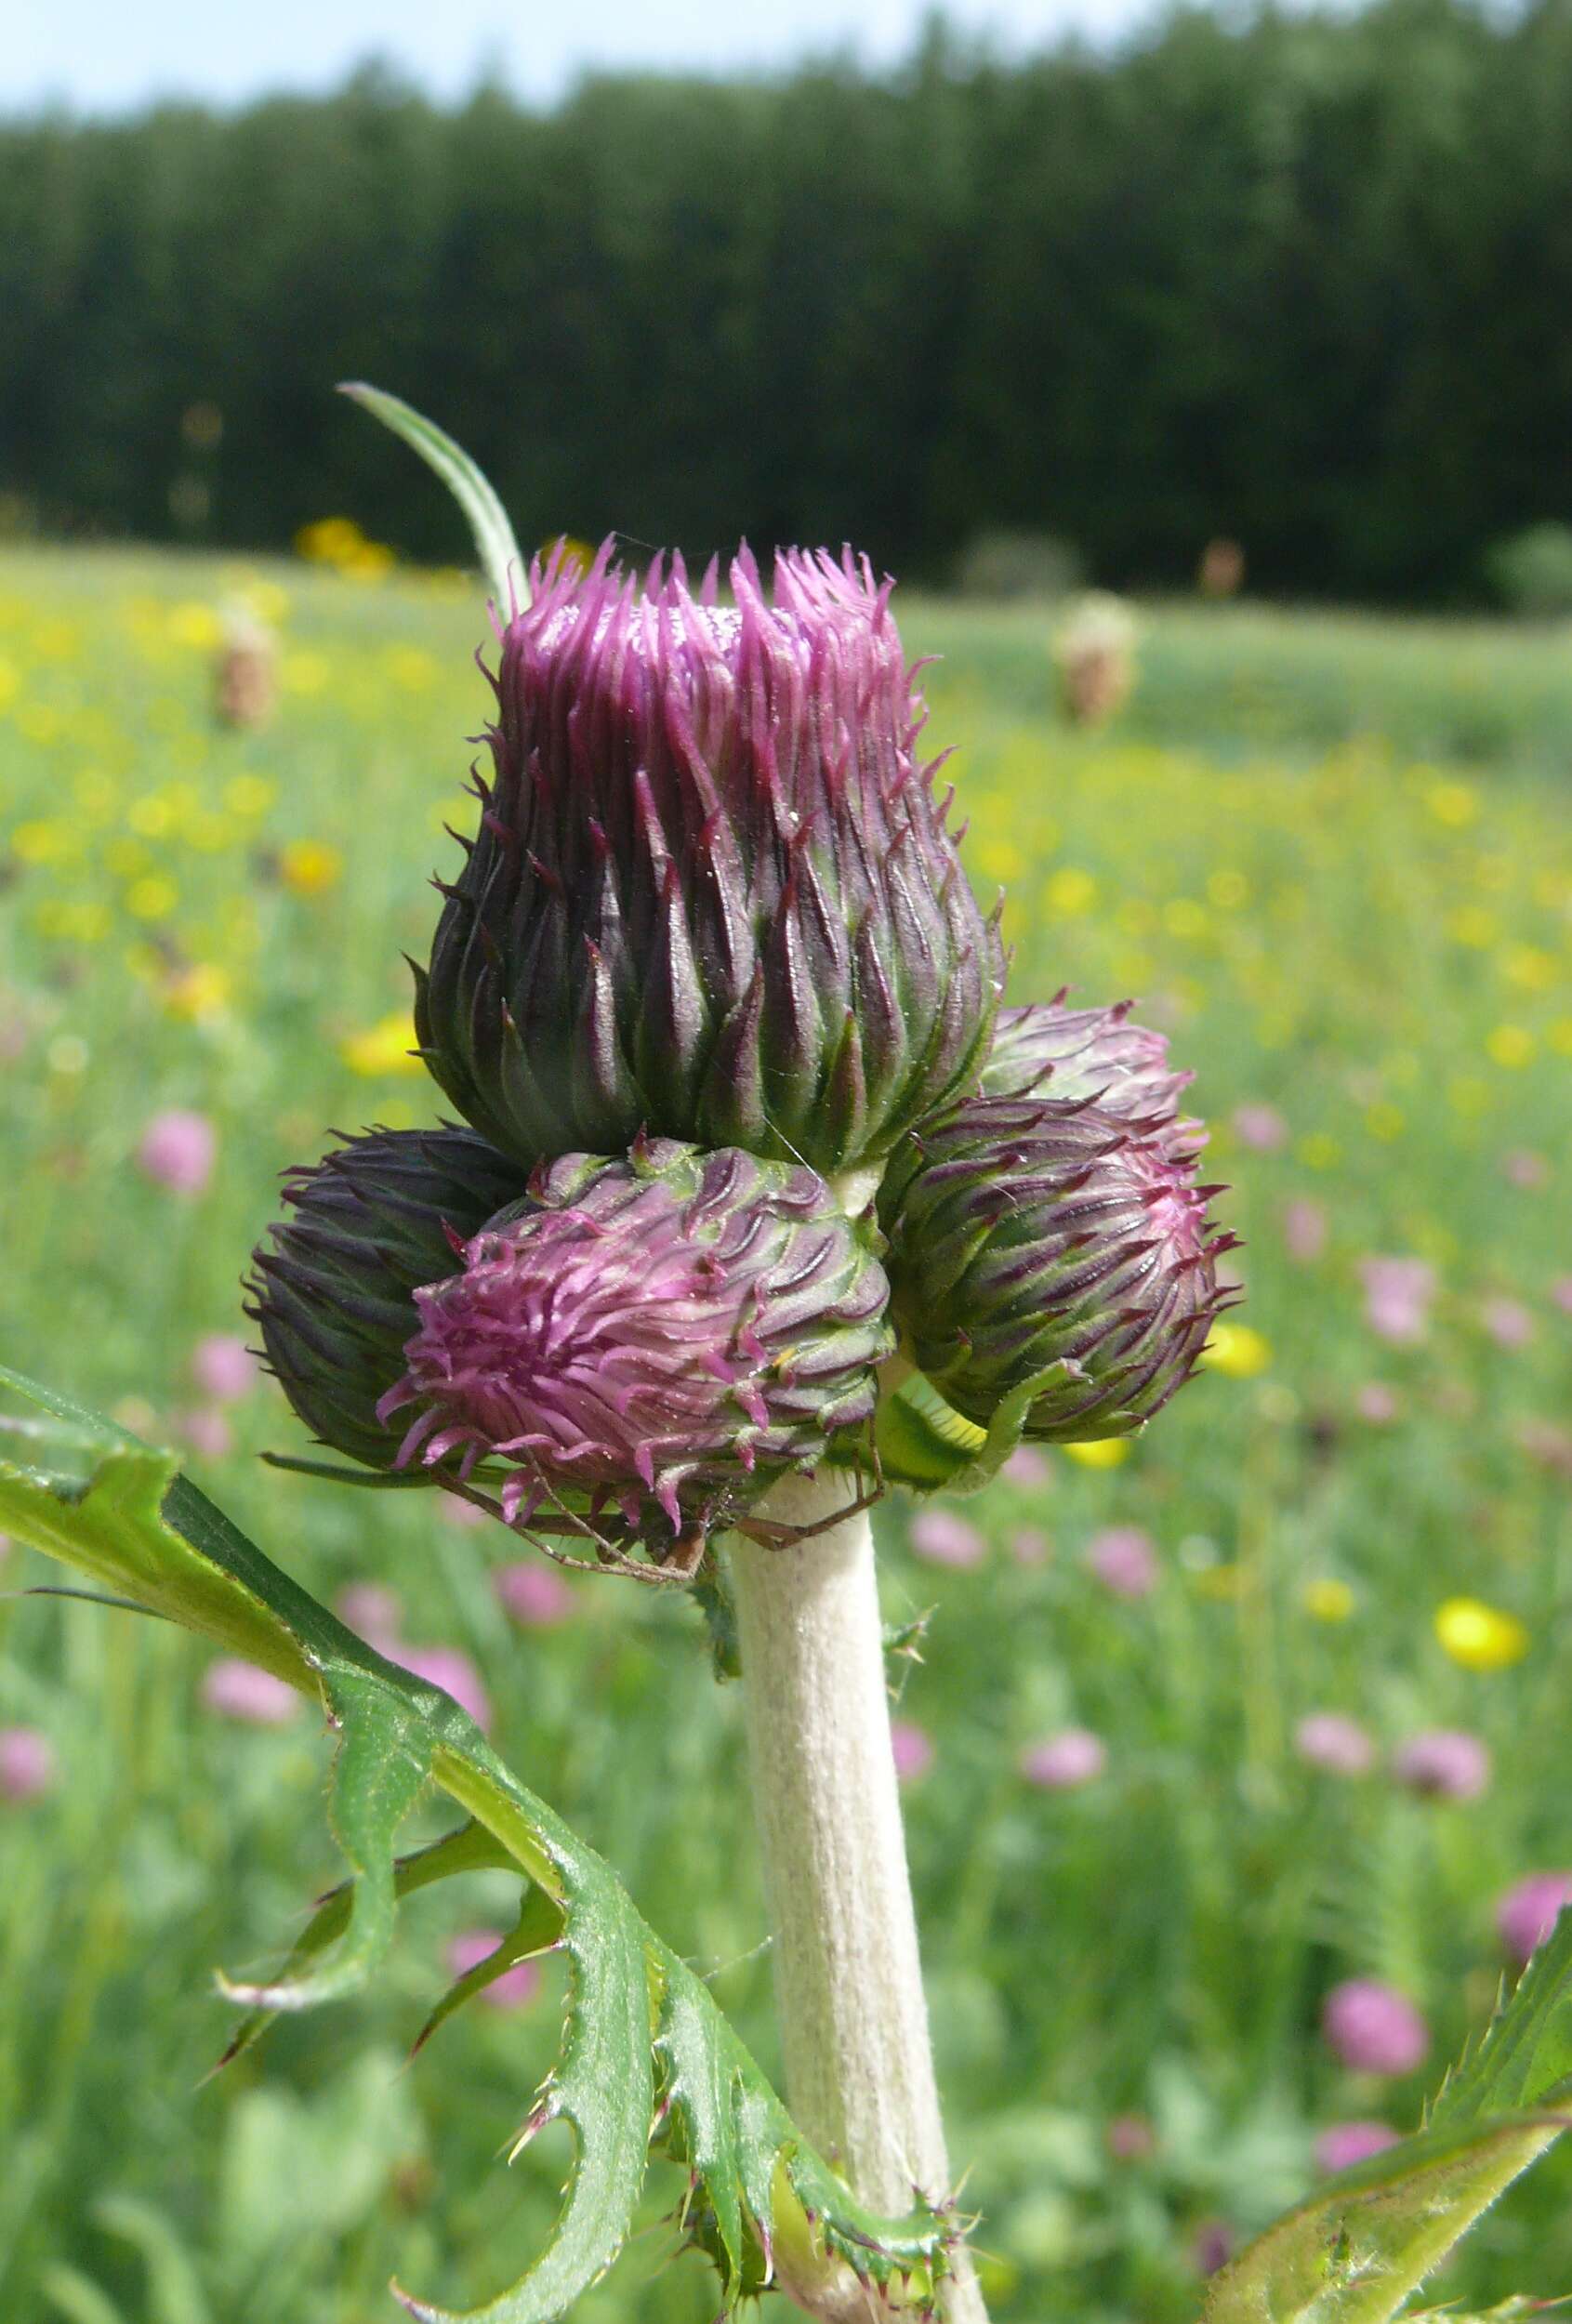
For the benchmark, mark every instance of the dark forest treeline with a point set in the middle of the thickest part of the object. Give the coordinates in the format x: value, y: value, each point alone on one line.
x: 1308, y: 282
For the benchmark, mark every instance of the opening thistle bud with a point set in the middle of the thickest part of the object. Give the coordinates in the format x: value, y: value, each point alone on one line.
x: 1050, y: 1237
x: 333, y: 1289
x: 1048, y: 1051
x: 663, y: 1336
x: 712, y: 893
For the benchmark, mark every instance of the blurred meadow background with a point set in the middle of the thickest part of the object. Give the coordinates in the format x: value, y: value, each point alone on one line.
x: 1236, y: 1758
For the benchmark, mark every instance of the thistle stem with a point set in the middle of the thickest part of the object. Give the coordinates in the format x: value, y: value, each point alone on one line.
x: 859, y: 2065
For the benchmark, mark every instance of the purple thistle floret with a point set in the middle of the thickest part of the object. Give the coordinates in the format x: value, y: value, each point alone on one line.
x: 712, y: 895
x: 1048, y: 1237
x: 663, y: 1336
x: 1343, y: 2145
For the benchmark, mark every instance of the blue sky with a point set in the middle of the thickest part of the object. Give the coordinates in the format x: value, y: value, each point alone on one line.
x: 106, y: 55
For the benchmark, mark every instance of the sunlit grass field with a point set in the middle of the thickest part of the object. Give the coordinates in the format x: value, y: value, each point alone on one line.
x: 1334, y: 858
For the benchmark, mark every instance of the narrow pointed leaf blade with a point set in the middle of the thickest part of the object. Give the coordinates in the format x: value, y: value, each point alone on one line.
x: 494, y: 544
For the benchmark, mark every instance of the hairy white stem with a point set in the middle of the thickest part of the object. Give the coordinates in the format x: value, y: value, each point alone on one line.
x: 859, y: 2065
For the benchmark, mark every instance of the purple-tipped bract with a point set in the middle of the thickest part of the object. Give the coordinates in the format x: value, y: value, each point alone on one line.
x: 664, y: 1336
x: 712, y: 895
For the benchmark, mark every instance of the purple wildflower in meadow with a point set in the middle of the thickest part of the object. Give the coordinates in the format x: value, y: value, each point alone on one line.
x: 453, y: 1671
x: 223, y: 1367
x: 1509, y: 1323
x: 1526, y: 1169
x: 234, y: 1689
x: 28, y: 1766
x: 1443, y: 1763
x: 1372, y: 2028
x: 177, y: 1150
x: 1130, y: 2138
x: 1124, y: 1560
x: 1527, y: 1911
x: 537, y: 1596
x: 1027, y: 1467
x: 1211, y: 2246
x: 514, y: 1988
x: 1305, y: 1228
x: 1399, y: 1293
x: 374, y: 1612
x: 1030, y: 1546
x: 913, y: 1747
x: 1261, y: 1127
x: 1337, y: 1744
x: 206, y: 1431
x: 1561, y: 1294
x: 1376, y: 1403
x: 1343, y: 2145
x: 1066, y: 1760
x: 941, y: 1537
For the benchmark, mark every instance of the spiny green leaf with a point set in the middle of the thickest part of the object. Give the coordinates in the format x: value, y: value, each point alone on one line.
x: 494, y: 544
x: 646, y: 2053
x: 1369, y: 2237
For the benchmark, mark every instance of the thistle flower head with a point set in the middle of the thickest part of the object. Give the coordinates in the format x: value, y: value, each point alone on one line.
x: 333, y: 1288
x: 663, y: 1336
x: 1028, y: 1236
x: 712, y: 895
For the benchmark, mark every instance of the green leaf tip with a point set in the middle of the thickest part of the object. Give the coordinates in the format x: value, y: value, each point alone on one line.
x: 647, y: 2060
x: 494, y: 544
x: 1369, y: 2237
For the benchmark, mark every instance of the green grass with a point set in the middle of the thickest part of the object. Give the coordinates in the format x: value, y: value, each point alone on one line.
x: 1335, y: 858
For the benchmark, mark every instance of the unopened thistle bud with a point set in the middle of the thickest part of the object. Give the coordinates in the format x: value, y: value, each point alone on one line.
x: 1048, y: 1051
x: 712, y: 895
x: 1028, y: 1237
x: 332, y: 1289
x: 661, y: 1335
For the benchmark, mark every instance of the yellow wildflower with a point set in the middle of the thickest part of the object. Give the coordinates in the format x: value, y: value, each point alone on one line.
x: 1106, y: 1452
x: 1453, y: 804
x: 383, y: 1048
x: 1237, y: 1351
x: 197, y: 993
x: 1512, y: 1046
x: 1478, y: 1636
x: 309, y: 867
x: 1327, y: 1601
x: 152, y: 898
x: 1070, y: 891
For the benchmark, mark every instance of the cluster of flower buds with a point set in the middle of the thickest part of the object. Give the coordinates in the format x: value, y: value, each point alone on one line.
x: 717, y: 1006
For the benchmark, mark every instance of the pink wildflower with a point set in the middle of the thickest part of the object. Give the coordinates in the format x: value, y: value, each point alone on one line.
x: 943, y: 1538
x: 1304, y: 1229
x: 1124, y: 1560
x: 453, y: 1671
x: 234, y: 1689
x: 1397, y: 1297
x: 1344, y: 2144
x: 223, y: 1367
x: 206, y: 1431
x: 177, y: 1150
x: 1373, y: 2028
x: 28, y: 1765
x: 514, y: 1988
x: 1376, y: 1403
x: 1528, y: 1912
x: 1509, y: 1323
x: 1336, y: 1745
x: 1443, y: 1763
x: 373, y: 1610
x: 1066, y: 1760
x: 536, y: 1595
x: 1261, y: 1128
x: 1028, y: 1466
x: 913, y: 1747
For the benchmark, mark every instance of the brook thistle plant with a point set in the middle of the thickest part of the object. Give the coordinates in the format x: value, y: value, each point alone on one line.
x: 759, y: 1204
